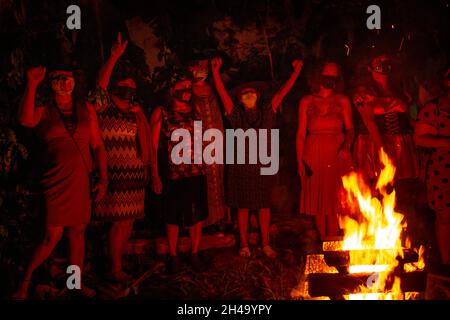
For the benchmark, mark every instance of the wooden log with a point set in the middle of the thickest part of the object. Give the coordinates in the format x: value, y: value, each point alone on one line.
x: 342, y: 258
x: 335, y: 285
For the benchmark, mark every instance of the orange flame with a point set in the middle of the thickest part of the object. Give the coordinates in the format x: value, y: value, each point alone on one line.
x: 374, y: 237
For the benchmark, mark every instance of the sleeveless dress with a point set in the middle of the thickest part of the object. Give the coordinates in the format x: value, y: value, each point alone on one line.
x: 185, y: 191
x: 319, y: 194
x: 126, y: 171
x: 66, y: 163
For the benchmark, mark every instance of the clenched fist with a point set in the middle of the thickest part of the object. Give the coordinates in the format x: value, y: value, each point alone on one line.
x: 297, y: 64
x: 36, y: 75
x: 216, y: 63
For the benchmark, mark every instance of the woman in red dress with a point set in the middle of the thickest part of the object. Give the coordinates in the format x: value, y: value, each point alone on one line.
x: 323, y: 146
x: 69, y: 132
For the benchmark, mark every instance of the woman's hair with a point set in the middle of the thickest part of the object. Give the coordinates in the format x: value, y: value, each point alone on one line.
x: 314, y: 79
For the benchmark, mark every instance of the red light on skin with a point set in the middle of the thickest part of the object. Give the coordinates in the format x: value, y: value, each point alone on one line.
x: 392, y: 26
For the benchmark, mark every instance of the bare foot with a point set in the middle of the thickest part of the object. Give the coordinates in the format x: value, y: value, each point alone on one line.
x: 22, y: 292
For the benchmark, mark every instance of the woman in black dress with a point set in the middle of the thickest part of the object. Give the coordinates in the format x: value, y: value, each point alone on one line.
x: 247, y: 188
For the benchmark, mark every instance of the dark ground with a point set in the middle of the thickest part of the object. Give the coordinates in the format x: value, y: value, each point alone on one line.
x: 227, y: 275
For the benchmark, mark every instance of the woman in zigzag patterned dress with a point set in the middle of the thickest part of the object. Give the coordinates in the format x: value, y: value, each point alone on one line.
x: 125, y: 197
x: 126, y: 135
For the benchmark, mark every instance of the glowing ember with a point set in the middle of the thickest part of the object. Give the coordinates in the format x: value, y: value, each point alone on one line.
x: 372, y: 234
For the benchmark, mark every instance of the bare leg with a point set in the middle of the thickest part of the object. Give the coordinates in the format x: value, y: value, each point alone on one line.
x: 195, y: 233
x: 42, y: 252
x: 76, y: 253
x: 264, y: 224
x: 172, y: 237
x: 128, y: 229
x: 76, y: 245
x: 443, y: 239
x: 118, y: 237
x: 243, y: 225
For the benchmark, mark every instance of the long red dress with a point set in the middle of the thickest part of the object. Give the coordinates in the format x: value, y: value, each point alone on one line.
x: 320, y: 190
x: 66, y: 162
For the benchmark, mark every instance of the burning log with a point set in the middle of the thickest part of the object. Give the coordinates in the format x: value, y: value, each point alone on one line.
x: 340, y: 259
x: 374, y: 259
x: 338, y: 285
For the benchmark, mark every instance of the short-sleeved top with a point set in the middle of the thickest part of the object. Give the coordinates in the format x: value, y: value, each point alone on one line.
x: 173, y: 126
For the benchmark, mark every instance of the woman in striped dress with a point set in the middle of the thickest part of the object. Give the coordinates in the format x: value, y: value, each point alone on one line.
x: 125, y: 132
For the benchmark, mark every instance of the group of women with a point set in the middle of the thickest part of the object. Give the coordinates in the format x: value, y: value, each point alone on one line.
x: 100, y: 153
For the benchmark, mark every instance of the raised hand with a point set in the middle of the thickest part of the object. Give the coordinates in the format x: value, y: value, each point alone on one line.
x: 297, y: 64
x: 36, y: 75
x: 216, y: 63
x: 119, y: 47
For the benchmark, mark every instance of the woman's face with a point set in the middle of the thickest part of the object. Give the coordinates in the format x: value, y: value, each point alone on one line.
x: 329, y: 76
x: 125, y: 89
x: 62, y: 82
x: 248, y: 98
x: 182, y: 91
x: 199, y: 70
x: 381, y: 65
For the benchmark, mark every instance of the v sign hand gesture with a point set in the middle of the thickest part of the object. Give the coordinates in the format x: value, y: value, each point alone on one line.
x: 119, y: 47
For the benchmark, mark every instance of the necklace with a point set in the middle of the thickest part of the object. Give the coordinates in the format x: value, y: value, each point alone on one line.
x: 70, y: 121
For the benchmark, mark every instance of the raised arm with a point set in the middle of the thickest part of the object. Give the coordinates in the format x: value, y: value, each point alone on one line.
x: 99, y: 151
x: 279, y: 96
x: 116, y: 52
x: 216, y: 63
x: 301, y: 133
x: 426, y: 136
x: 155, y: 125
x: 29, y: 115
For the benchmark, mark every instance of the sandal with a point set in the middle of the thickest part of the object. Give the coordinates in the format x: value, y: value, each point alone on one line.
x: 245, y: 252
x: 269, y: 252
